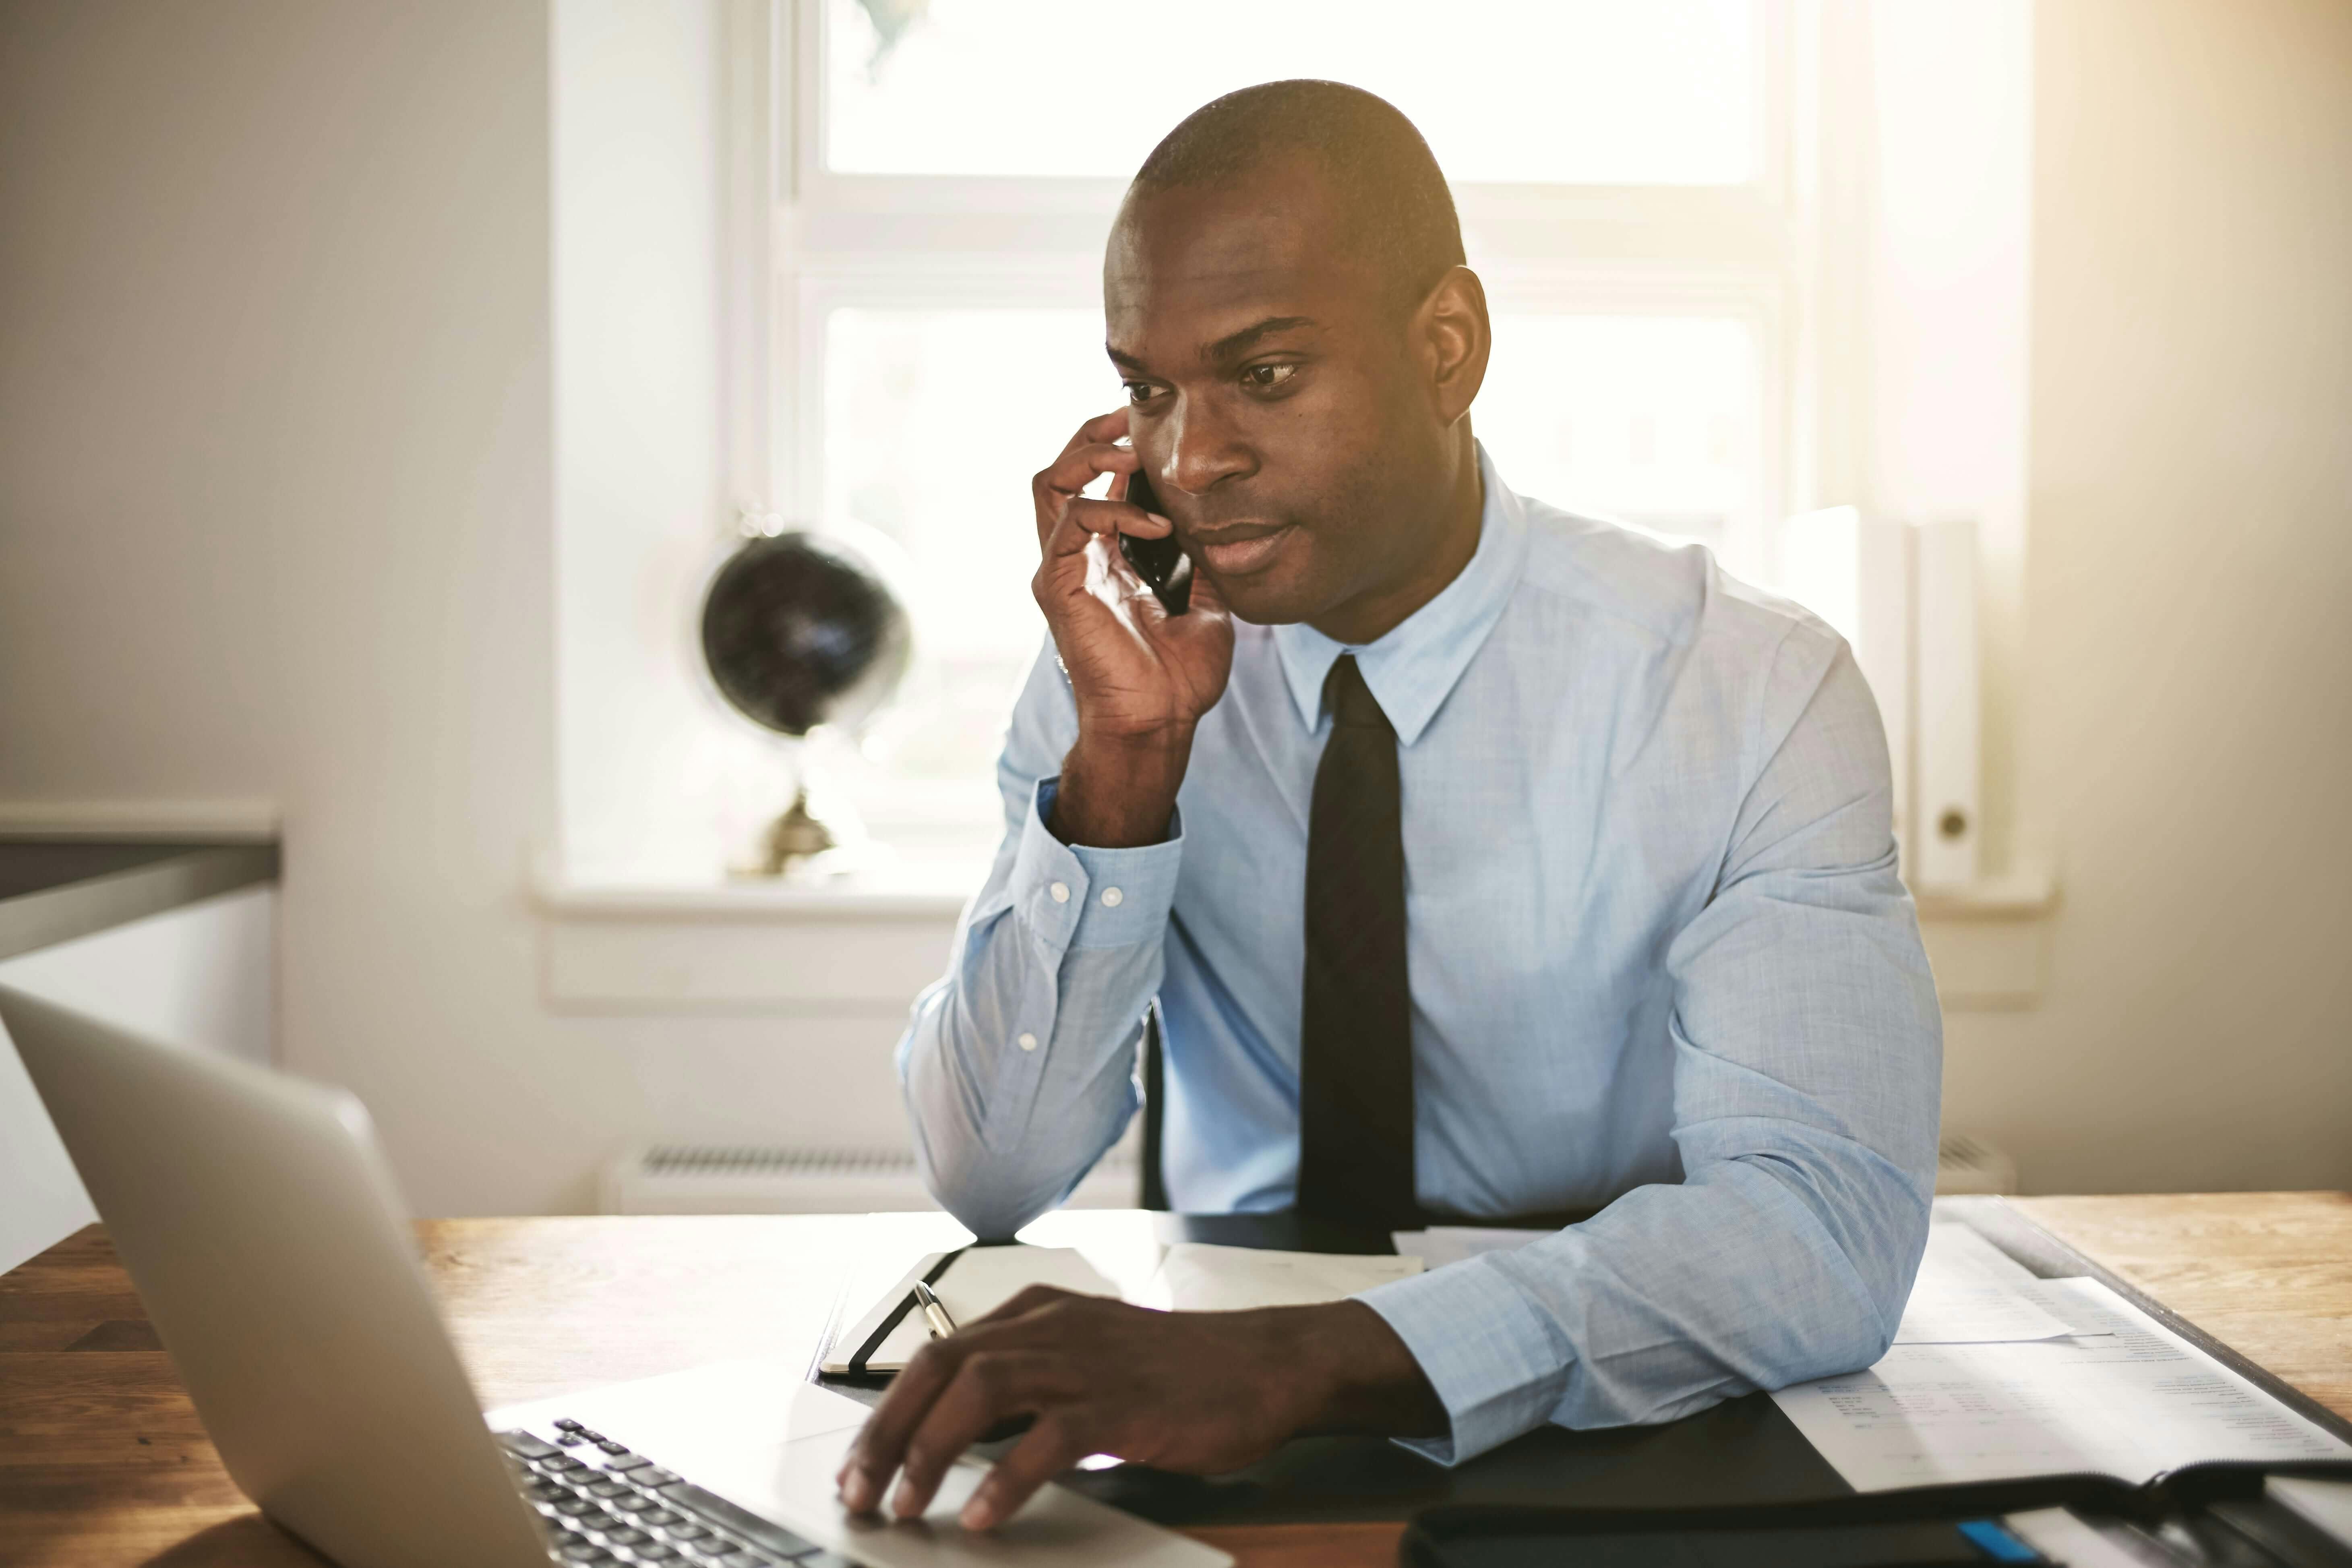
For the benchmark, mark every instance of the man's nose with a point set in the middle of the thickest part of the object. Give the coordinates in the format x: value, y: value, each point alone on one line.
x: 1205, y: 449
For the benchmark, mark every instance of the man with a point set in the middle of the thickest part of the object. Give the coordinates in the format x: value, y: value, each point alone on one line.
x: 1484, y: 860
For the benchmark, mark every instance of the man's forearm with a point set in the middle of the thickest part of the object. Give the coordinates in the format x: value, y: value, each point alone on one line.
x: 1120, y: 794
x: 1355, y: 1374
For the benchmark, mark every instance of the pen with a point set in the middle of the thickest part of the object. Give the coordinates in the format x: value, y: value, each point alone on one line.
x: 941, y: 1324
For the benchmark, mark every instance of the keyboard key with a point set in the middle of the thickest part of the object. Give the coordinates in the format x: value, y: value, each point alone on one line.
x: 718, y: 1548
x: 656, y: 1552
x: 655, y: 1475
x: 625, y: 1461
x: 525, y: 1446
x: 610, y: 1489
x: 565, y: 1439
x: 556, y: 1459
x: 545, y: 1489
x: 683, y: 1530
x: 564, y: 1423
x: 713, y: 1509
x: 590, y: 1436
x: 626, y: 1537
x: 573, y: 1507
x: 637, y: 1502
x: 584, y: 1551
x: 610, y: 1447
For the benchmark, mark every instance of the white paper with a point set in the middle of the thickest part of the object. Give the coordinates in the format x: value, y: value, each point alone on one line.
x: 2121, y: 1395
x: 2327, y: 1504
x: 1971, y: 1291
x: 1201, y: 1277
x: 2062, y: 1538
x: 1442, y: 1244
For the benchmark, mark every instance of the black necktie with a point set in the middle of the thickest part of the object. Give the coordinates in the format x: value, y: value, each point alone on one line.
x: 1355, y: 1090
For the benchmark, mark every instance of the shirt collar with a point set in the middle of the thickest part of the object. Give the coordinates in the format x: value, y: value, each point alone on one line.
x: 1412, y: 668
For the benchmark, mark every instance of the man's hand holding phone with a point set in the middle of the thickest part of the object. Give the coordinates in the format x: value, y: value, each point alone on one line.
x: 1141, y: 675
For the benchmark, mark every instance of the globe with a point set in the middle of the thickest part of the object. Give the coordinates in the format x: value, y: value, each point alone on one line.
x: 799, y: 630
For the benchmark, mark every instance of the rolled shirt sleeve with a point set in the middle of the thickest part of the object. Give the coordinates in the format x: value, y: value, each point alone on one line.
x: 1807, y: 1067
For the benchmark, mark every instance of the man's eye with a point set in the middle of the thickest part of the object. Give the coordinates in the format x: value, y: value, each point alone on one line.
x: 1138, y: 392
x: 1266, y: 377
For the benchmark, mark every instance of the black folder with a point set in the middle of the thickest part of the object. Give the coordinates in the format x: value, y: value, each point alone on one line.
x: 1742, y: 1453
x: 2203, y: 1514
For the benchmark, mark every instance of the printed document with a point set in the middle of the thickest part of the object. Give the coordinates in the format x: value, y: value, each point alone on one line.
x: 2119, y: 1393
x: 1969, y: 1291
x: 1201, y: 1277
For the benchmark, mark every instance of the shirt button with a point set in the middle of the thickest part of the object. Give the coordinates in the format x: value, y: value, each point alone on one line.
x: 1061, y: 891
x: 1111, y: 896
x: 1027, y: 1042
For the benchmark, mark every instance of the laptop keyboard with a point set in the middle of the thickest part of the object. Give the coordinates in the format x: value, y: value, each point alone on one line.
x: 603, y: 1504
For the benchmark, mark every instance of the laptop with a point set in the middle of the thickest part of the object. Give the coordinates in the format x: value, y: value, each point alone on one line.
x: 259, y: 1221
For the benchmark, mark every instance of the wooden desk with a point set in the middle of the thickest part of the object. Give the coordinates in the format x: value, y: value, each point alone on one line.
x: 103, y: 1462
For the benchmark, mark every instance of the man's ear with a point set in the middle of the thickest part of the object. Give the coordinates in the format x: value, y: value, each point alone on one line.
x: 1454, y: 338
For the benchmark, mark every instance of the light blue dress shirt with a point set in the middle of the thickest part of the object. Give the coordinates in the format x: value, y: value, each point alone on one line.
x: 1659, y: 959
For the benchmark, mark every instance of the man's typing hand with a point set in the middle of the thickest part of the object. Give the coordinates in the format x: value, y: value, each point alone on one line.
x: 1197, y: 1392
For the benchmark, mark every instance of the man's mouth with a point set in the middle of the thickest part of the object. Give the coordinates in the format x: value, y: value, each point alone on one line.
x: 1238, y: 549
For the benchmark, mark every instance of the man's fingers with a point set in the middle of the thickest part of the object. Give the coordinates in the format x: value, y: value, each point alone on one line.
x: 1086, y: 519
x: 1102, y: 428
x: 986, y: 1388
x: 881, y: 1445
x: 1052, y: 1447
x: 1080, y: 467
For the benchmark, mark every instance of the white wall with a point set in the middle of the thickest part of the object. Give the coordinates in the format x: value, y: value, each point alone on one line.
x: 278, y: 469
x: 200, y: 976
x: 642, y: 494
x: 2187, y: 688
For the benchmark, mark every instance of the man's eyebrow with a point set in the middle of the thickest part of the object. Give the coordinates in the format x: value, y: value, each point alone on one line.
x: 1232, y: 345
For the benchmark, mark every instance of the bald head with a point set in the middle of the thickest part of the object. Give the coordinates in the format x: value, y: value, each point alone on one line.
x: 1380, y: 183
x: 1284, y: 299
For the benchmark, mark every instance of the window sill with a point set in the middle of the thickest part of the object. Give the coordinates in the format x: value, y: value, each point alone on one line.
x: 851, y: 947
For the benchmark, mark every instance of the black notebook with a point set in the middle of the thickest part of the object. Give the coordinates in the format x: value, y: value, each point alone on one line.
x: 2206, y: 1516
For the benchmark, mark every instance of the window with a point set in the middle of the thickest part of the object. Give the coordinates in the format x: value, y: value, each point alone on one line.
x: 1623, y: 174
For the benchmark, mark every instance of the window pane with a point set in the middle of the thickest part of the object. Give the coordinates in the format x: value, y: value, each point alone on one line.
x: 1650, y: 419
x: 934, y: 421
x: 1571, y: 91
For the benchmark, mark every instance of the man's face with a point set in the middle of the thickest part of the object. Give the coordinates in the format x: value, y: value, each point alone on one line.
x: 1282, y: 415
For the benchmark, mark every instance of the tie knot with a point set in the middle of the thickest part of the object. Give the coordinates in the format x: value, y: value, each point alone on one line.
x: 1352, y: 702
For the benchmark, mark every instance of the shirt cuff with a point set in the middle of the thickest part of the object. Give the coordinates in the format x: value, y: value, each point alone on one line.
x: 1073, y: 896
x: 1496, y: 1365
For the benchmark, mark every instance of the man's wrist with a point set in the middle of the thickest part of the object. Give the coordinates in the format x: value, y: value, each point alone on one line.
x: 1354, y: 1373
x: 1119, y: 792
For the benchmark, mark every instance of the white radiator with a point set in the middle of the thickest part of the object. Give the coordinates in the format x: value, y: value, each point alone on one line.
x: 677, y: 1178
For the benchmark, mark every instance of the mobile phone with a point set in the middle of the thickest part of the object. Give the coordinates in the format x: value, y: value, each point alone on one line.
x: 1162, y: 565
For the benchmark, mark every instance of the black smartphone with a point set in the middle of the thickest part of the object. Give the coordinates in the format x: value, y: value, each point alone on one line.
x: 1160, y: 562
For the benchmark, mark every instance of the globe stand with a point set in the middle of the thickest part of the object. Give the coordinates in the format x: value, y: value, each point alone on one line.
x: 820, y: 836
x: 796, y: 837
